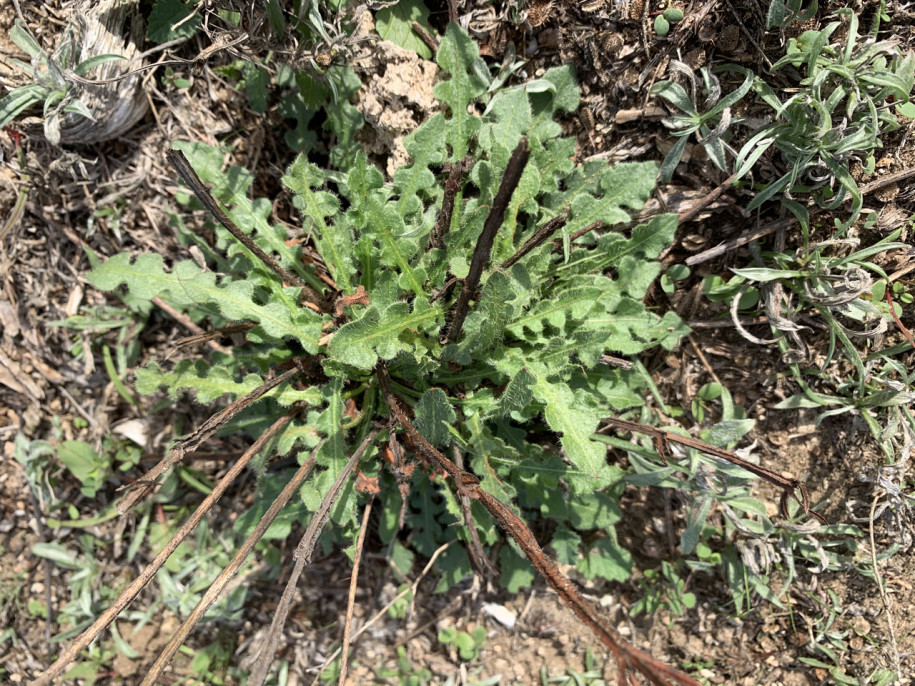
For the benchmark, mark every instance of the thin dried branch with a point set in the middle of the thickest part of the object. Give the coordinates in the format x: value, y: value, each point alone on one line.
x: 513, y: 171
x: 478, y: 559
x: 133, y: 590
x: 707, y: 199
x: 540, y: 236
x: 146, y: 483
x: 177, y: 159
x: 629, y: 658
x: 452, y: 186
x: 384, y: 611
x: 262, y: 660
x: 220, y: 583
x: 790, y: 487
x: 427, y: 38
x: 593, y: 226
x: 209, y: 337
x: 743, y: 239
x: 774, y: 226
x: 351, y: 598
x: 887, y: 180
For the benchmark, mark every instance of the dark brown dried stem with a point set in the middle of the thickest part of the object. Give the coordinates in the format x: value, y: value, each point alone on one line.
x: 177, y: 159
x: 481, y: 253
x: 185, y: 321
x: 776, y: 225
x: 149, y: 480
x: 540, y: 236
x: 427, y: 39
x: 629, y: 658
x: 219, y: 584
x: 209, y: 336
x: 452, y: 186
x: 557, y: 245
x: 302, y: 555
x: 478, y: 559
x: 707, y: 199
x: 133, y: 590
x: 790, y: 487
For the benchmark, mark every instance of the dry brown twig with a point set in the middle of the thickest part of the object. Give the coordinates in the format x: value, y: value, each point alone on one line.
x: 146, y: 483
x: 133, y: 590
x: 261, y: 660
x: 483, y: 249
x: 662, y: 437
x: 630, y: 660
x: 773, y: 226
x: 220, y: 583
x: 351, y: 597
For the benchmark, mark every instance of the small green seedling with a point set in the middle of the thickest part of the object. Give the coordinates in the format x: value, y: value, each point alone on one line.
x: 55, y: 81
x: 466, y: 644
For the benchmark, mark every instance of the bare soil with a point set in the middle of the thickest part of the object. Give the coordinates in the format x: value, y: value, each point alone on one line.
x: 46, y: 394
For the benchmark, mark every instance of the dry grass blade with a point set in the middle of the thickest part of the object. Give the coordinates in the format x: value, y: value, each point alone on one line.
x: 15, y: 216
x: 383, y: 611
x: 213, y: 593
x: 629, y: 659
x: 133, y: 590
x: 302, y: 555
x: 351, y: 598
x: 145, y: 484
x: 881, y: 588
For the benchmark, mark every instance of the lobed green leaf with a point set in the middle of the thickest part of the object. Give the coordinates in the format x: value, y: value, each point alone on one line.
x: 378, y: 333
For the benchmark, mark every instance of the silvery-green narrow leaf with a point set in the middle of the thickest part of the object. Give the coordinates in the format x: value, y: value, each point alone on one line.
x: 18, y: 101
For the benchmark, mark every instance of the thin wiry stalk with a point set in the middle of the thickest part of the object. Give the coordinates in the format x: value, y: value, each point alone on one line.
x: 177, y: 159
x: 351, y: 598
x: 217, y: 587
x: 146, y: 483
x: 303, y: 552
x: 133, y: 590
x: 410, y: 590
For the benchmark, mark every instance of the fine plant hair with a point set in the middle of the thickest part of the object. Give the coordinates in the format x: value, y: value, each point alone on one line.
x: 446, y: 352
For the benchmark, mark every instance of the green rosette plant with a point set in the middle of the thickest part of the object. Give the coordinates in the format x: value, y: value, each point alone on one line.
x: 464, y: 312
